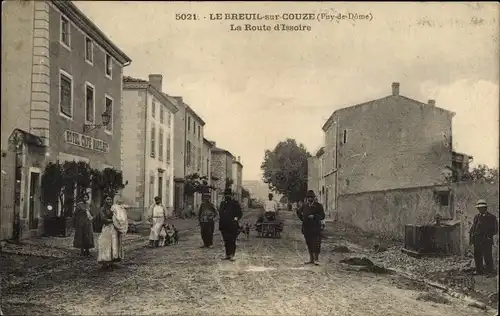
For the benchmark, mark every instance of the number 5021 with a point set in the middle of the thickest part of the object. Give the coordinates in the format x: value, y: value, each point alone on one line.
x: 186, y: 16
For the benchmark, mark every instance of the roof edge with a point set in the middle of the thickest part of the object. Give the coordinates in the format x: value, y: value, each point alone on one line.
x: 79, y: 18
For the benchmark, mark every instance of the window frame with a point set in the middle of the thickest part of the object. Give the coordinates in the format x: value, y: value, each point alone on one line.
x: 61, y: 41
x: 108, y: 97
x: 152, y: 141
x: 161, y: 146
x: 89, y: 85
x: 68, y: 76
x: 91, y: 60
x: 168, y: 144
x: 110, y: 75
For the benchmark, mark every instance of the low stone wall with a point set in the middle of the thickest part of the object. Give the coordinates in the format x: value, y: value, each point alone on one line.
x: 386, y: 213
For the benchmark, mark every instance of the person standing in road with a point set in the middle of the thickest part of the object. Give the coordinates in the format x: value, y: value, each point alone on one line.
x: 206, y: 216
x: 229, y: 215
x: 157, y: 218
x: 82, y: 222
x: 481, y: 233
x: 110, y: 241
x: 270, y: 208
x: 311, y: 214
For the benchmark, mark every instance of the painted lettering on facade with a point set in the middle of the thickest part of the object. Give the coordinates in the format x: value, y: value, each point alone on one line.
x: 85, y: 141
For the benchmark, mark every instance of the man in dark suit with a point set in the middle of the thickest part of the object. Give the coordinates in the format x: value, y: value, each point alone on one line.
x: 481, y: 233
x: 311, y: 214
x: 229, y: 214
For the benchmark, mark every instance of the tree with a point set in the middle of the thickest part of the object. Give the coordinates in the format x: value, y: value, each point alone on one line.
x: 285, y: 169
x: 245, y: 193
x: 481, y: 172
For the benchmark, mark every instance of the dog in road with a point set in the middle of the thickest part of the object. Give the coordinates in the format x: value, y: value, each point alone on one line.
x: 246, y: 231
x: 163, y: 237
x: 175, y: 235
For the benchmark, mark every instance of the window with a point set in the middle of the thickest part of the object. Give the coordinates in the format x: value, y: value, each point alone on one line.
x: 89, y: 103
x: 109, y: 67
x: 189, y: 123
x: 160, y: 185
x: 160, y: 144
x: 66, y: 94
x: 188, y: 153
x: 153, y: 141
x: 345, y: 136
x: 65, y: 32
x: 168, y: 149
x: 444, y: 198
x: 89, y: 50
x: 199, y: 131
x: 169, y: 119
x: 162, y: 113
x: 208, y: 167
x: 151, y: 187
x: 199, y: 159
x: 194, y: 127
x: 153, y: 108
x: 193, y: 160
x: 109, y: 110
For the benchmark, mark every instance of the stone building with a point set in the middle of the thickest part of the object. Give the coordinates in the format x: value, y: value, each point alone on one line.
x: 389, y: 143
x: 147, y: 142
x: 61, y: 101
x: 237, y: 174
x: 222, y: 169
x: 207, y: 167
x: 315, y: 177
x: 188, y: 158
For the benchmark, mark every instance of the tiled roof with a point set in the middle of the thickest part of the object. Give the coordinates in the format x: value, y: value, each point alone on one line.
x: 132, y: 79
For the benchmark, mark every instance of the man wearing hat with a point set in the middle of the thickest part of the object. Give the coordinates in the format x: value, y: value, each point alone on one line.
x: 481, y: 233
x: 311, y: 214
x: 229, y: 215
x: 206, y: 216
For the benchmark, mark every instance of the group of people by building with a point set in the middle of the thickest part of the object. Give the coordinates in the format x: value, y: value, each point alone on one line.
x: 110, y: 222
x: 229, y: 213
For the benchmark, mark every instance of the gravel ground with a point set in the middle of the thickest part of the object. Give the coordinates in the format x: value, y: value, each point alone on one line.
x: 452, y: 271
x: 268, y: 278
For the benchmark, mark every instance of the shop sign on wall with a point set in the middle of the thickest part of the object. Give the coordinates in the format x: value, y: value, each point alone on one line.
x: 85, y: 141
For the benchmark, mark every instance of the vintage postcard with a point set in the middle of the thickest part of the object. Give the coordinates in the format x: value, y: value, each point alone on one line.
x: 249, y: 158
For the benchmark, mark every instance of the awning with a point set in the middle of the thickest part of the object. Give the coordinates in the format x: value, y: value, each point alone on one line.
x: 19, y: 137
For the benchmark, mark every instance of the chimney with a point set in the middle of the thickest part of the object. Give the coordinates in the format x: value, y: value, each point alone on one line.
x: 431, y: 102
x: 238, y: 158
x: 156, y: 81
x: 395, y: 88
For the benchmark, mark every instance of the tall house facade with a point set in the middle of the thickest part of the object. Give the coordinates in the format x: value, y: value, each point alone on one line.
x: 207, y: 166
x: 61, y: 76
x: 147, y: 143
x: 222, y: 170
x: 188, y: 157
x: 388, y: 143
x: 237, y: 174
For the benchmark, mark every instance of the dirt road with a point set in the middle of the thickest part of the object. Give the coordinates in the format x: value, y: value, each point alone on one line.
x: 268, y: 278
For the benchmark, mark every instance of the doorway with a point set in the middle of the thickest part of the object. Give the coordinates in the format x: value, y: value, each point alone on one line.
x: 34, y: 198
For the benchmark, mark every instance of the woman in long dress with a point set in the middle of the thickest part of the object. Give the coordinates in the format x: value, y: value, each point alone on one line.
x: 110, y: 242
x: 82, y: 222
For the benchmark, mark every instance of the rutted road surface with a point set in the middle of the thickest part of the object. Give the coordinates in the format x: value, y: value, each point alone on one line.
x: 268, y: 278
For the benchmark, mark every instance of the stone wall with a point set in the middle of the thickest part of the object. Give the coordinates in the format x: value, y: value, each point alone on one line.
x: 386, y: 213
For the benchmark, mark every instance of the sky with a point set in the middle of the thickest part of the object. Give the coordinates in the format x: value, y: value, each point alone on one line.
x: 254, y: 89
